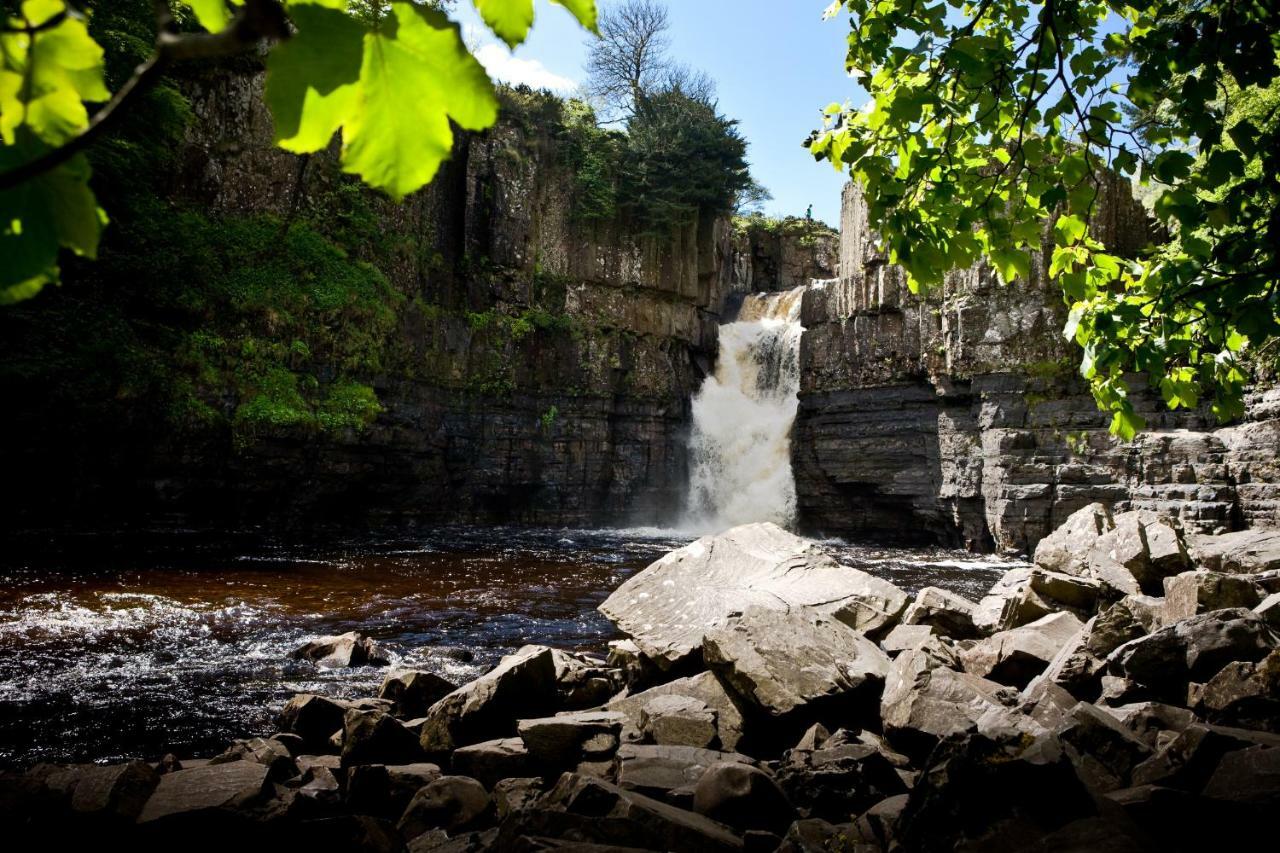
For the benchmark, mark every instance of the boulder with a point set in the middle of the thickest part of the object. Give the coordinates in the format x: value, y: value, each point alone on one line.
x: 521, y: 685
x: 273, y: 755
x: 385, y: 791
x: 191, y: 795
x: 638, y: 672
x: 1243, y: 552
x: 564, y: 740
x: 659, y: 770
x: 679, y: 721
x: 977, y: 793
x: 114, y: 792
x: 1188, y: 760
x: 1103, y: 751
x: 839, y: 780
x: 345, y: 832
x: 372, y: 737
x: 904, y: 637
x: 1269, y: 610
x: 945, y: 612
x: 925, y: 700
x: 1248, y: 777
x: 583, y: 681
x: 648, y: 823
x: 1195, y: 649
x: 517, y: 793
x: 1016, y: 656
x: 815, y: 835
x: 743, y: 797
x: 452, y: 803
x: 880, y: 822
x: 1024, y: 595
x: 667, y: 608
x: 493, y: 760
x: 704, y: 687
x: 1244, y: 694
x: 354, y: 648
x: 795, y: 663
x: 1190, y: 593
x: 412, y: 691
x: 313, y: 718
x: 1047, y: 703
x: 1138, y: 553
x: 1152, y: 722
x: 1066, y: 549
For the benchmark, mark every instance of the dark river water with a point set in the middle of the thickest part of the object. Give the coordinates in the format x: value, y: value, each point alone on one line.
x: 115, y: 658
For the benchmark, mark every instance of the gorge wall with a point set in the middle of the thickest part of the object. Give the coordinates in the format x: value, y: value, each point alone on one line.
x: 959, y: 417
x: 528, y: 366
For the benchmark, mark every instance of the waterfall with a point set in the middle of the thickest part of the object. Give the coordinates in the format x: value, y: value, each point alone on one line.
x: 740, y: 448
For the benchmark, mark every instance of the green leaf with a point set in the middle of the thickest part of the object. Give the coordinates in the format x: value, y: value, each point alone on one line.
x: 47, y: 213
x: 1069, y: 229
x: 414, y: 75
x: 1011, y: 264
x: 1126, y: 423
x: 510, y: 20
x: 584, y: 10
x: 213, y: 15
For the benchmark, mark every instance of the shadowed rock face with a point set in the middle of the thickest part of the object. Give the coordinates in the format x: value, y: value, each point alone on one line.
x: 958, y: 417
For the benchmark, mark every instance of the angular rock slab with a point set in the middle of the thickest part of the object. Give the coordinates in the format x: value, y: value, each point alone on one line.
x: 671, y: 605
x: 1016, y: 656
x: 783, y: 662
x: 202, y: 789
x: 1066, y: 549
x: 521, y: 685
x: 1243, y: 552
x: 704, y: 687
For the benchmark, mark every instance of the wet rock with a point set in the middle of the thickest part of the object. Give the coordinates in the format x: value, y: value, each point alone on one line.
x: 191, y: 795
x: 385, y: 790
x: 743, y: 797
x: 1243, y: 552
x: 838, y: 781
x: 1024, y: 595
x: 1103, y: 751
x: 926, y: 700
x: 354, y: 648
x: 372, y: 737
x: 452, y: 803
x: 1245, y: 695
x: 1016, y: 656
x: 945, y: 612
x: 412, y: 691
x: 1195, y: 649
x: 704, y: 687
x: 1066, y: 549
x: 659, y: 770
x: 493, y: 760
x: 563, y: 741
x: 521, y: 685
x: 796, y: 663
x: 313, y: 718
x: 668, y: 607
x: 584, y: 681
x: 978, y: 793
x: 1191, y: 593
x: 269, y: 753
x: 679, y: 721
x: 655, y: 825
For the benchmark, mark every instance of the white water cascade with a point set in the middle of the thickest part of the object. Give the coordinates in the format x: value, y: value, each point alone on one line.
x: 741, y: 443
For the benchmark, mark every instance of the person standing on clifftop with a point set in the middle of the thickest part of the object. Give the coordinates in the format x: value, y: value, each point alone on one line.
x: 808, y: 214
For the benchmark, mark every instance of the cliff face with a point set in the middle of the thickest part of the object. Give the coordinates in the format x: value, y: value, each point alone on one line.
x: 781, y: 254
x: 538, y: 370
x: 959, y: 417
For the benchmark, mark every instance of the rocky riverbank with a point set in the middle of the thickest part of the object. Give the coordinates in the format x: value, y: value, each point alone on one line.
x: 1121, y: 694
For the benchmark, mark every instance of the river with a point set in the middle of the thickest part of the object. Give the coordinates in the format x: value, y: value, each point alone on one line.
x: 106, y: 657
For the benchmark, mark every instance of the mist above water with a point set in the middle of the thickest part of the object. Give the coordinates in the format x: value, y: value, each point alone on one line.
x: 740, y: 447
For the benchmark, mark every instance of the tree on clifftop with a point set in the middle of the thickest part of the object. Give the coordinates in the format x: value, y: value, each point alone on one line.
x: 393, y: 76
x: 991, y: 121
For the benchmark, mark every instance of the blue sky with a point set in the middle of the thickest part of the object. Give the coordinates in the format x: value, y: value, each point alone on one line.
x: 776, y: 64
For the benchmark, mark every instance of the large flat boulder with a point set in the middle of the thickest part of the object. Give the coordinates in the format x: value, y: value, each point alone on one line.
x: 1016, y: 656
x: 1024, y: 595
x: 1190, y: 593
x: 1242, y: 552
x: 521, y: 685
x: 1066, y: 550
x: 196, y: 792
x: 789, y: 662
x: 671, y: 605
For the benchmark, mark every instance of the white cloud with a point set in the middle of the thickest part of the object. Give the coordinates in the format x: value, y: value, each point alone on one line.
x: 510, y: 69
